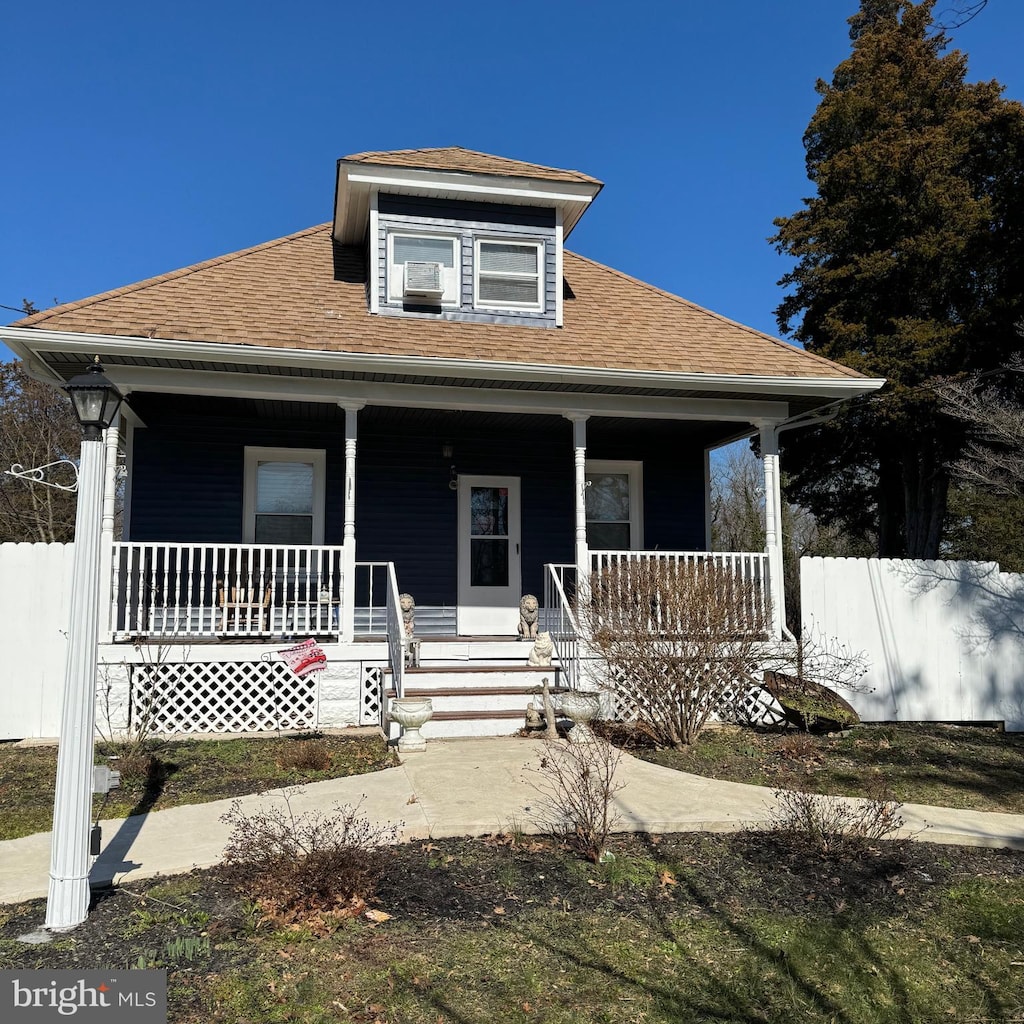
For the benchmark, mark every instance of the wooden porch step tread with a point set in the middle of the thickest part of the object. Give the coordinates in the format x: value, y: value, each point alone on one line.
x: 475, y: 716
x: 472, y: 691
x: 425, y: 669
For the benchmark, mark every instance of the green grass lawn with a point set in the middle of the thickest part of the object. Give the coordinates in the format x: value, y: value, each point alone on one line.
x: 185, y: 772
x: 950, y: 766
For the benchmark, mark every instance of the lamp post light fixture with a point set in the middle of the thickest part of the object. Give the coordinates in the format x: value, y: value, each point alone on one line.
x: 96, y: 401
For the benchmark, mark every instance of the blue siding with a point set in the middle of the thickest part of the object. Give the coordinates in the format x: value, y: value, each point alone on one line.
x: 469, y: 221
x: 187, y: 481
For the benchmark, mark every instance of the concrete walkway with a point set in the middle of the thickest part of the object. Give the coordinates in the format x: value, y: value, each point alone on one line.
x: 465, y: 787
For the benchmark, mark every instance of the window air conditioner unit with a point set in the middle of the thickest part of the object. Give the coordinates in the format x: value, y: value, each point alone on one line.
x: 424, y: 280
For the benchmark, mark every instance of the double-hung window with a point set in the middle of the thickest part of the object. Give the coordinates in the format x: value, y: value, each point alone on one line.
x: 284, y: 495
x: 509, y: 275
x: 440, y: 249
x: 613, y: 504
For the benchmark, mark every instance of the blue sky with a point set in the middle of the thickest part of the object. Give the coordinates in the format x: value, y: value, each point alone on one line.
x: 140, y: 137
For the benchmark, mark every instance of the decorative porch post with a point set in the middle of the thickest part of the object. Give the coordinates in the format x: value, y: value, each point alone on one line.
x: 111, y: 437
x: 773, y: 524
x: 348, y: 557
x: 95, y: 401
x: 579, y: 443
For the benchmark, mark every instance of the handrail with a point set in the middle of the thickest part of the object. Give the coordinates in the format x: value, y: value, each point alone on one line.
x: 565, y: 631
x: 398, y: 642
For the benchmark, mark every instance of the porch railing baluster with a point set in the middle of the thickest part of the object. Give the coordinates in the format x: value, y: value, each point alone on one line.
x: 233, y: 590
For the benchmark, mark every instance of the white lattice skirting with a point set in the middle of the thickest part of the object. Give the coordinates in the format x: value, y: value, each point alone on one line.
x: 741, y: 702
x: 252, y: 696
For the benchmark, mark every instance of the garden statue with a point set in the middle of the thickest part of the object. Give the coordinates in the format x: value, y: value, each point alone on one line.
x: 408, y: 606
x: 528, y: 615
x: 540, y: 653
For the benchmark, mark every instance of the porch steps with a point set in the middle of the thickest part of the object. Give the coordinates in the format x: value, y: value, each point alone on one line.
x: 476, y: 699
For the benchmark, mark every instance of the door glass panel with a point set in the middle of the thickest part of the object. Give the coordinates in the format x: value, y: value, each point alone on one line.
x: 488, y: 512
x: 488, y: 562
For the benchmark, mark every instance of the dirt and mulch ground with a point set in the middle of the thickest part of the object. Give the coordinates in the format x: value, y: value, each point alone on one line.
x: 750, y: 927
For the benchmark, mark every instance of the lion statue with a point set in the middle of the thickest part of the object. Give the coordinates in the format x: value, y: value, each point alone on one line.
x: 540, y: 653
x: 408, y: 607
x: 528, y: 615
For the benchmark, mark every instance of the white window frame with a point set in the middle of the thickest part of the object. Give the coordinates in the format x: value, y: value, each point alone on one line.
x: 532, y: 307
x: 634, y: 470
x: 316, y: 457
x: 453, y: 274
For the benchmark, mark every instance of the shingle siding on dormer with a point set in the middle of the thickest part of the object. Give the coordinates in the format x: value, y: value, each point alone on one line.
x: 470, y: 221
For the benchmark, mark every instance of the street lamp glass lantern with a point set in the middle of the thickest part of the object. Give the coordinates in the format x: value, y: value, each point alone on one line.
x: 95, y: 399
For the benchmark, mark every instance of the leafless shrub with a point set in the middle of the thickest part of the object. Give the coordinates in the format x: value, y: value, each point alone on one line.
x: 681, y: 641
x: 834, y: 828
x: 308, y: 866
x: 799, y: 746
x: 127, y: 724
x: 306, y: 755
x: 576, y: 783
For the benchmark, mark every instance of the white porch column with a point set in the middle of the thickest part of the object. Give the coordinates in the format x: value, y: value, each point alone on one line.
x: 111, y: 437
x: 773, y: 524
x: 67, y: 903
x: 579, y: 444
x: 348, y: 558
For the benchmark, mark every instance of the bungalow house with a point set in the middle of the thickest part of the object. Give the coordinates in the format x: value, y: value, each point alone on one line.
x: 429, y: 395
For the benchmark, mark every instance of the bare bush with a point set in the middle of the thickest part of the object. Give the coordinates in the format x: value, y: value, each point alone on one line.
x: 835, y: 828
x: 576, y: 784
x: 681, y: 641
x: 306, y: 755
x: 298, y: 867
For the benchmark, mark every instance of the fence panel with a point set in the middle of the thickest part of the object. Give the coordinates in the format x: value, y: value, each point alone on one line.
x: 945, y: 640
x: 35, y: 593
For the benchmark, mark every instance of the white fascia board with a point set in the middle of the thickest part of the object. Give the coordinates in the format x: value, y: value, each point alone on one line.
x: 573, y: 197
x: 427, y: 396
x: 492, y: 186
x: 26, y: 341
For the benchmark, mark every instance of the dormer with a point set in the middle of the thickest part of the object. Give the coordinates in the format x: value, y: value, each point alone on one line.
x: 458, y: 235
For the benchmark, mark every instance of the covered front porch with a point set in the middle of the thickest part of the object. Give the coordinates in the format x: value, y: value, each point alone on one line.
x: 247, y: 519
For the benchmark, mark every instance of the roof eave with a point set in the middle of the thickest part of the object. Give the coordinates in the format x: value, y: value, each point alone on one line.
x: 357, y: 182
x: 31, y: 344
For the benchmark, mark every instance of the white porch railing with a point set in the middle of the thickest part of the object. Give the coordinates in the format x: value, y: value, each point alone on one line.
x: 748, y: 568
x: 559, y: 620
x: 239, y: 591
x: 397, y: 641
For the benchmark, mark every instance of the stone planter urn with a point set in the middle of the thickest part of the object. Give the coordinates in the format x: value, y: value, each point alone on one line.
x: 411, y: 713
x: 580, y: 706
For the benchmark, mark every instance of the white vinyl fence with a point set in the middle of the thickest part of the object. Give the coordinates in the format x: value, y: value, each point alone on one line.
x: 945, y: 640
x: 35, y: 592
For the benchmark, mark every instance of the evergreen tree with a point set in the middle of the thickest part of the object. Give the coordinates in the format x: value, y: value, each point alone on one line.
x: 909, y: 266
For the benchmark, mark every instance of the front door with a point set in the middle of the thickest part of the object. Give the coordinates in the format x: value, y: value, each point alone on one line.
x: 489, y: 567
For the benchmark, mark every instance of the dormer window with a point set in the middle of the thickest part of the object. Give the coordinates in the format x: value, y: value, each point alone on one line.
x: 508, y: 275
x: 414, y: 284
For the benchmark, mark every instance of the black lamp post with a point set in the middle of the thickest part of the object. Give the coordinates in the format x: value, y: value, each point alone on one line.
x: 96, y: 401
